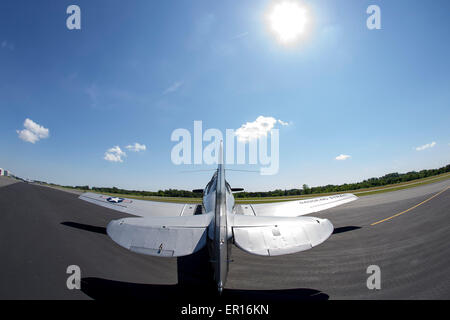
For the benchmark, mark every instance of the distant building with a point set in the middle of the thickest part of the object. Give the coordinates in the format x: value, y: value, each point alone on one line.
x: 5, y: 173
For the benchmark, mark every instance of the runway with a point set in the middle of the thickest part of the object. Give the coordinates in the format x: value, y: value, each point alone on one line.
x: 43, y: 231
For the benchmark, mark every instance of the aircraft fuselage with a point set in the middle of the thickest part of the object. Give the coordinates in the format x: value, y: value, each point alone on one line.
x: 219, y: 199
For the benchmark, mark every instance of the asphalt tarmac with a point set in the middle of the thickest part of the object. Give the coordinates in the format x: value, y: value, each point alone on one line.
x: 43, y: 231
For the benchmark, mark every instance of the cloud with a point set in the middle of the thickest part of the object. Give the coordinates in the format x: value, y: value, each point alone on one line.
x: 7, y: 45
x: 174, y: 87
x: 136, y: 147
x: 114, y: 154
x: 240, y: 35
x: 426, y: 146
x: 343, y: 157
x: 93, y: 93
x: 256, y: 129
x: 33, y: 132
x: 283, y: 123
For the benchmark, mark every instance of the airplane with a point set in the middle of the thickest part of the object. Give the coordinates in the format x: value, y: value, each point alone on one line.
x: 167, y: 229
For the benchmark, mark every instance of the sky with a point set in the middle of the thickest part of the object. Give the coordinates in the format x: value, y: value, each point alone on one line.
x: 97, y: 106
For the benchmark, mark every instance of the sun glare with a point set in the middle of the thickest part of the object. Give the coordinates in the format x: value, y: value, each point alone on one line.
x: 288, y: 20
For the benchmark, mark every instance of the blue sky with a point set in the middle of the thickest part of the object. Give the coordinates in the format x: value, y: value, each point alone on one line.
x: 136, y: 71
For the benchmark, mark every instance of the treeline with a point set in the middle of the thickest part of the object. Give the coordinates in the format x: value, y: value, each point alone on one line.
x: 385, y: 180
x: 160, y: 193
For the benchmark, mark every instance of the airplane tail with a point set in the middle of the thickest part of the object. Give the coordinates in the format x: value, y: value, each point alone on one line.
x: 221, y: 157
x: 221, y: 169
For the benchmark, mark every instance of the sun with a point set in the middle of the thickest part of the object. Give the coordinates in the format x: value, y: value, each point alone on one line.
x: 288, y: 21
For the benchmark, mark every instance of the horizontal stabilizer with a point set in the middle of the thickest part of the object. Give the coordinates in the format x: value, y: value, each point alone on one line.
x: 159, y: 236
x: 273, y: 236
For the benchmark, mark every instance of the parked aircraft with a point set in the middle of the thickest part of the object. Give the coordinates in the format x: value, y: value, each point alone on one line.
x: 175, y: 229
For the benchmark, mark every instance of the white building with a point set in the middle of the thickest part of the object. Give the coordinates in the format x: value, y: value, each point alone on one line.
x: 4, y: 172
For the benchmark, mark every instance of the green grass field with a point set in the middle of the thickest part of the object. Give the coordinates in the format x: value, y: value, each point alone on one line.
x: 359, y: 192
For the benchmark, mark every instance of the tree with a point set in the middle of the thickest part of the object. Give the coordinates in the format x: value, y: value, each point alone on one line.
x: 306, y: 189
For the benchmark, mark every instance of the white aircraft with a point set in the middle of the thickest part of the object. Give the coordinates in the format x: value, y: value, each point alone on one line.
x: 175, y: 229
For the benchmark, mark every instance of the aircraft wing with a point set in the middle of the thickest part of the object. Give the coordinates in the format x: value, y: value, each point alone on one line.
x: 273, y: 236
x: 141, y: 208
x: 294, y: 208
x: 161, y: 236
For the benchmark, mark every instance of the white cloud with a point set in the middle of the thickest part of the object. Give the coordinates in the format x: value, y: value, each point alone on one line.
x: 114, y: 154
x: 7, y: 45
x: 283, y: 123
x: 426, y: 146
x: 343, y: 157
x: 240, y: 35
x: 173, y: 87
x: 256, y: 129
x: 93, y: 93
x: 136, y: 147
x: 33, y: 132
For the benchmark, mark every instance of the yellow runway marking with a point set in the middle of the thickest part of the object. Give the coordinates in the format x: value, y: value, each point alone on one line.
x: 396, y: 215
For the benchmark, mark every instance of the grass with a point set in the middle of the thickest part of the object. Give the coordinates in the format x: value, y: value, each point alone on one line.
x: 359, y: 192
